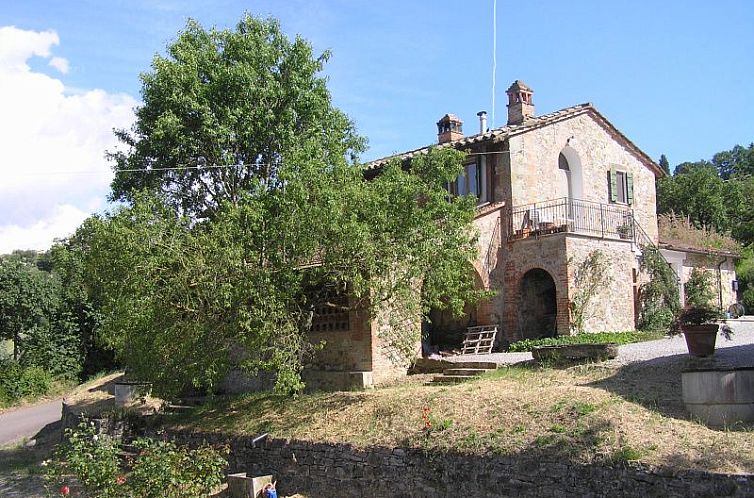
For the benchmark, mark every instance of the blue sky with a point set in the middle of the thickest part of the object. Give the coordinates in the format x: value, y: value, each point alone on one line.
x: 674, y: 76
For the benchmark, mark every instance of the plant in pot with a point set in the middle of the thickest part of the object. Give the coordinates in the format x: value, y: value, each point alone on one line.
x: 700, y: 325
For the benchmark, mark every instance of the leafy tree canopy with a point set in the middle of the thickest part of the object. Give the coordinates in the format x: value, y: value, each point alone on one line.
x: 235, y: 107
x: 179, y: 296
x: 224, y: 264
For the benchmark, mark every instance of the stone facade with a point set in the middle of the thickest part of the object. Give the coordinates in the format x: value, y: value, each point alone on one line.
x: 599, y: 189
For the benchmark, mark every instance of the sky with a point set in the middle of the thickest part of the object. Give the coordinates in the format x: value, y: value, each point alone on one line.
x: 674, y: 76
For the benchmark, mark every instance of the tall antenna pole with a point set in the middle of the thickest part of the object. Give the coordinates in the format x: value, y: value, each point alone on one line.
x: 494, y: 57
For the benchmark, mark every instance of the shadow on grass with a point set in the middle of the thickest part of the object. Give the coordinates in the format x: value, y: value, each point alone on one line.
x: 656, y: 384
x: 279, y: 413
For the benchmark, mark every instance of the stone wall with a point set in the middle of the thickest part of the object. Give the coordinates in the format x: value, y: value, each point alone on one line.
x: 613, y: 307
x: 321, y: 469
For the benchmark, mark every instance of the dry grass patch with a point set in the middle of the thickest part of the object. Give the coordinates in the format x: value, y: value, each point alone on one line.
x: 575, y: 413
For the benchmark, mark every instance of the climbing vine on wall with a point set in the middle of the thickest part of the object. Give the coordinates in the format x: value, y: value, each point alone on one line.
x: 658, y: 298
x: 589, y: 277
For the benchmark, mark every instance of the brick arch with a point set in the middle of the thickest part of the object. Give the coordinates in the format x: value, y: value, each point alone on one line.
x: 481, y: 277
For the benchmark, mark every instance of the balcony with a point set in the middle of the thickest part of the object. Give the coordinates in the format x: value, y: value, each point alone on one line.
x: 593, y: 219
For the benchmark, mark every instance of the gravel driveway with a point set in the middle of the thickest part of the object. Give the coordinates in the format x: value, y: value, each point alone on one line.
x: 739, y: 351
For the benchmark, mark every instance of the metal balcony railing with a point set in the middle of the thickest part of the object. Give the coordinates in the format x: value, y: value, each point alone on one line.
x: 594, y: 219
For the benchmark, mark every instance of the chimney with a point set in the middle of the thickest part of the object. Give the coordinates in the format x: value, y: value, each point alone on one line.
x: 520, y: 104
x: 449, y: 128
x: 482, y: 121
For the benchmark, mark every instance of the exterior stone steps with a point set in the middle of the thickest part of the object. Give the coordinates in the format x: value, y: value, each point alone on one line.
x: 458, y: 375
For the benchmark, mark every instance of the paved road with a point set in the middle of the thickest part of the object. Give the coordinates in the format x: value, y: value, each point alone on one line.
x: 26, y: 422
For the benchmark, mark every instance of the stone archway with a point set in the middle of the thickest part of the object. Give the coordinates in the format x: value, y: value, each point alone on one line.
x: 446, y: 331
x: 538, y: 309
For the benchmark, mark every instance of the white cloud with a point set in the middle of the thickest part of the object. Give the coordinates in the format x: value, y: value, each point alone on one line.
x: 60, y: 64
x: 52, y: 143
x: 60, y: 222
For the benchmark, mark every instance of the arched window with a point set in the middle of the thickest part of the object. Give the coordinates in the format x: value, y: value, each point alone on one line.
x: 563, y: 162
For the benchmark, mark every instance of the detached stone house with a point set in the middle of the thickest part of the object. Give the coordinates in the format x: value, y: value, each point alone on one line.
x: 551, y: 189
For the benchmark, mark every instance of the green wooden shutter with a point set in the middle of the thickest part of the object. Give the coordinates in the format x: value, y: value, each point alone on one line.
x: 630, y: 188
x: 613, y: 185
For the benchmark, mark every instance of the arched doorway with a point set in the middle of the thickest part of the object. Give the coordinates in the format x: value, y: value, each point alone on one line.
x: 537, y: 313
x: 444, y: 331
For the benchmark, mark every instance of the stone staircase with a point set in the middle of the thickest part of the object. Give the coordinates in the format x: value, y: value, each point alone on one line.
x: 466, y: 370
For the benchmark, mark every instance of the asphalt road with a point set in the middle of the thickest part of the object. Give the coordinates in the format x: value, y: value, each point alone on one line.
x: 26, y: 422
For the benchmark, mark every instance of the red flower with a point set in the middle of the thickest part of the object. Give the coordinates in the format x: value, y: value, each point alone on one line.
x: 120, y: 480
x: 65, y: 491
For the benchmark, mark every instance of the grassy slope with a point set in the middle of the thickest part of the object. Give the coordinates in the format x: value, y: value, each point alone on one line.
x: 585, y: 414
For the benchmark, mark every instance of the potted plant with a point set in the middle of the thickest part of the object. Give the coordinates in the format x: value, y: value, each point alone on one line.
x: 624, y: 231
x: 699, y: 325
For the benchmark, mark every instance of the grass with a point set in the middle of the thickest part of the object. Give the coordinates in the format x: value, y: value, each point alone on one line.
x: 587, y: 414
x: 588, y: 338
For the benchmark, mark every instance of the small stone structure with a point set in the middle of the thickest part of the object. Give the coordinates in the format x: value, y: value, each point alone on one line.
x: 575, y: 352
x: 719, y: 396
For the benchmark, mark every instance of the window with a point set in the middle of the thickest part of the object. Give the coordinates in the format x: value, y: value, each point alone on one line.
x: 621, y: 186
x: 473, y: 180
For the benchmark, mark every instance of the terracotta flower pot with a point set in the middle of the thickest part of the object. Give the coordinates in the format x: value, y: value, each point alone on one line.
x: 700, y: 339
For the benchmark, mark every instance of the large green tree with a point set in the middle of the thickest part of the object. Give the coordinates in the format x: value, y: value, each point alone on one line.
x: 249, y: 211
x: 28, y: 300
x: 224, y: 111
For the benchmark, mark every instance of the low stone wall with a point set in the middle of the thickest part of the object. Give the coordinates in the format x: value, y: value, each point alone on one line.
x: 318, y: 469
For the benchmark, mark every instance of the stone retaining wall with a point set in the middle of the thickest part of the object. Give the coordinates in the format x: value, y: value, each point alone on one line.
x: 338, y: 470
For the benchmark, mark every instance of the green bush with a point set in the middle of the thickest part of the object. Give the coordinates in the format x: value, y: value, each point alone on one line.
x: 17, y: 382
x: 699, y: 290
x: 589, y: 338
x: 92, y: 465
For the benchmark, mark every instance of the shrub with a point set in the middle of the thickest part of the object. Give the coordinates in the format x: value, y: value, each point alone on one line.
x: 658, y: 298
x: 593, y: 338
x: 17, y: 381
x: 699, y: 290
x: 94, y: 466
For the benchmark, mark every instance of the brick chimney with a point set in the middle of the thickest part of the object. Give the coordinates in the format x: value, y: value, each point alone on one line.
x: 449, y: 128
x: 520, y: 104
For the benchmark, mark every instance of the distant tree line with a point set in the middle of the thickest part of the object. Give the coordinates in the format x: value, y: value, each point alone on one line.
x: 717, y: 194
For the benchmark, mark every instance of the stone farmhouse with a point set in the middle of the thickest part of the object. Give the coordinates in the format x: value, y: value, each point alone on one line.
x: 551, y: 189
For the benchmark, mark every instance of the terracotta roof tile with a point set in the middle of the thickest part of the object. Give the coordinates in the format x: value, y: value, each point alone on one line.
x: 529, y: 124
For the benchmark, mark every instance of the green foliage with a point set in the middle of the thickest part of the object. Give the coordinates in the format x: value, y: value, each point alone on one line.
x: 591, y: 338
x: 745, y: 276
x: 589, y: 277
x: 243, y: 105
x: 92, y: 464
x: 658, y: 298
x: 17, y: 381
x: 91, y: 459
x: 698, y: 193
x: 28, y: 299
x: 237, y: 255
x: 177, y: 296
x: 664, y: 164
x: 714, y: 195
x: 699, y: 289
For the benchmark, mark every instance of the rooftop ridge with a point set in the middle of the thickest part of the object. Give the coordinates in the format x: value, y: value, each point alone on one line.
x: 495, y: 133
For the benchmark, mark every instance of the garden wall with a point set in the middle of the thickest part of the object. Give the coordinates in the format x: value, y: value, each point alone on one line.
x: 319, y: 469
